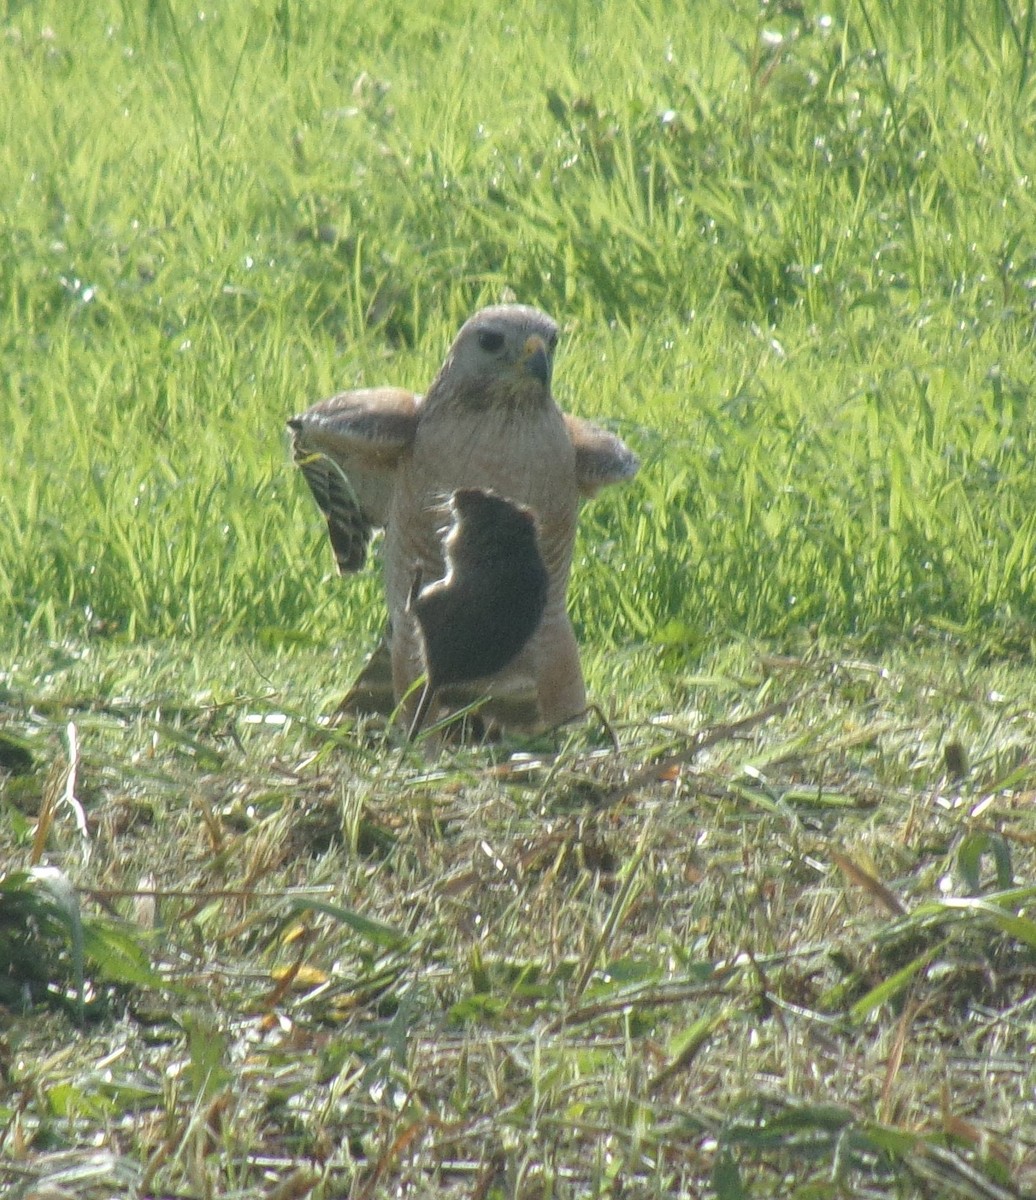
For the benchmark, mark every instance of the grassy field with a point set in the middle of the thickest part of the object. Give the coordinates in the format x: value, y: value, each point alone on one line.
x: 769, y: 931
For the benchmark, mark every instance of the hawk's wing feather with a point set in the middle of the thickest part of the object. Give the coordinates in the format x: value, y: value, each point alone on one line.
x: 347, y: 526
x: 372, y: 425
x: 347, y: 448
x: 601, y: 457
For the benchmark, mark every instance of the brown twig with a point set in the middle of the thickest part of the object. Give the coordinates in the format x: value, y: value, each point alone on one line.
x: 704, y: 738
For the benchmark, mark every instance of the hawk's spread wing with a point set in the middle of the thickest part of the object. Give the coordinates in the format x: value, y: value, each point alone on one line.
x: 347, y: 448
x: 601, y: 457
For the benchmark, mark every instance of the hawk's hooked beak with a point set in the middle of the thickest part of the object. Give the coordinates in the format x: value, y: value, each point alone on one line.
x: 534, y: 360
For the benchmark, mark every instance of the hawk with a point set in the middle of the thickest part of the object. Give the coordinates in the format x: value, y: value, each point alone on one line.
x: 385, y: 458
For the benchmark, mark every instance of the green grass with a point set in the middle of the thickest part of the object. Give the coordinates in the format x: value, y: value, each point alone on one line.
x: 800, y: 278
x: 792, y: 253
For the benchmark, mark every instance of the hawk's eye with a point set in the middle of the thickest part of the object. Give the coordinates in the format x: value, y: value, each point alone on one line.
x: 491, y: 342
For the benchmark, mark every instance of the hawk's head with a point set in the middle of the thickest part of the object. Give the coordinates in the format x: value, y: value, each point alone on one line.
x: 503, y: 356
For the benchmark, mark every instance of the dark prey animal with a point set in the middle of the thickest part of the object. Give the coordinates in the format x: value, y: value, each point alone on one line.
x: 490, y: 602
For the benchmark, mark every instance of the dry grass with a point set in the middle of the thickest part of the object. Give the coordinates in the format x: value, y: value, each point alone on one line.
x: 796, y: 961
